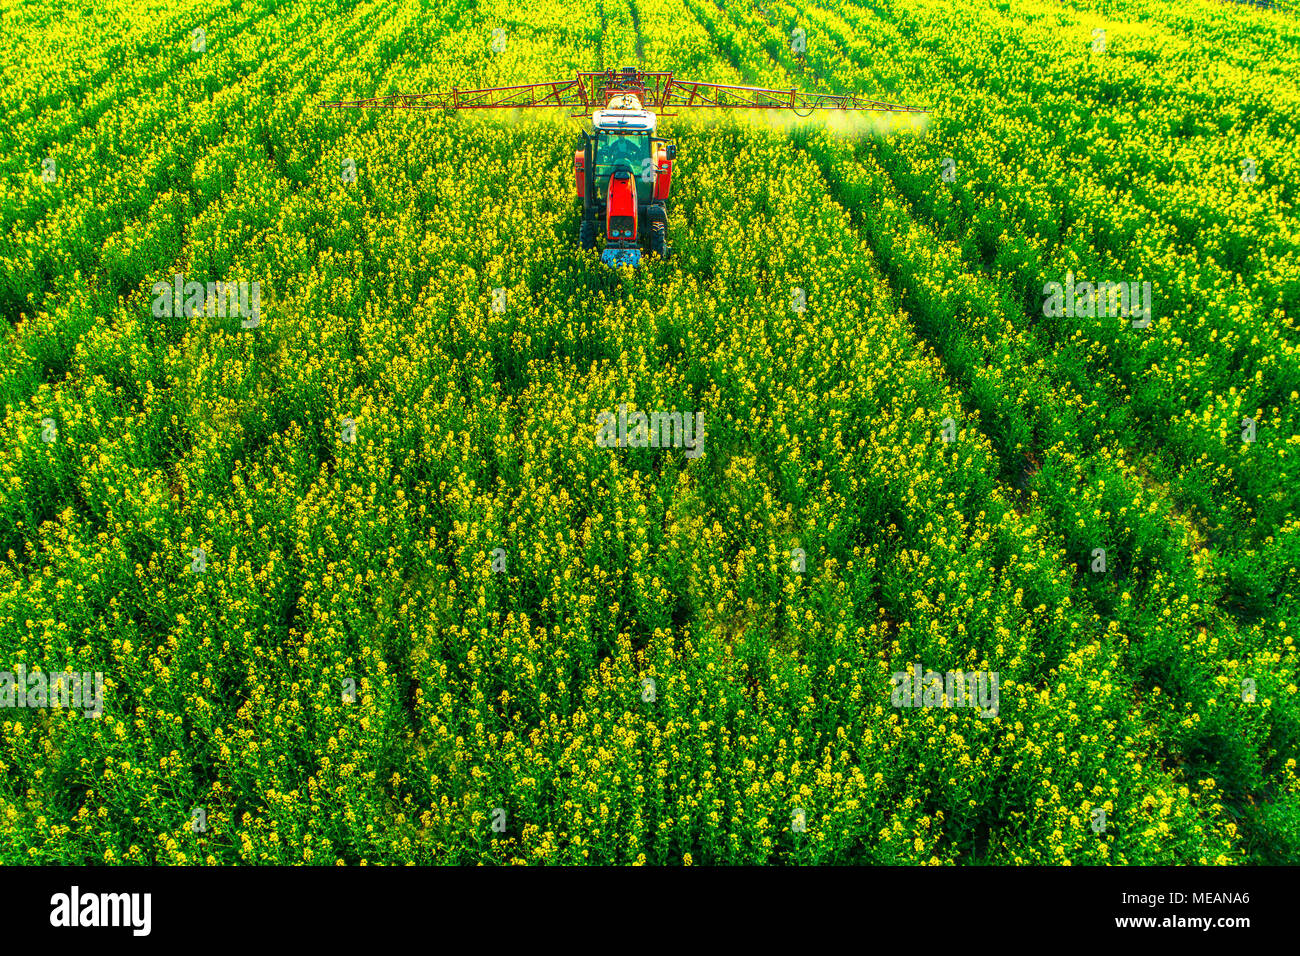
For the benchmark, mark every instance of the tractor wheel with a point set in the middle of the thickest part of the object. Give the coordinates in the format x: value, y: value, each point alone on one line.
x: 658, y: 232
x: 587, y: 235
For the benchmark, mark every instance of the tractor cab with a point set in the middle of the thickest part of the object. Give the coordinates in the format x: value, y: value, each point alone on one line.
x: 622, y: 134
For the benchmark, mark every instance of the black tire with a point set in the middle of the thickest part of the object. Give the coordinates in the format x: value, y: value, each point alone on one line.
x: 587, y: 235
x: 657, y: 238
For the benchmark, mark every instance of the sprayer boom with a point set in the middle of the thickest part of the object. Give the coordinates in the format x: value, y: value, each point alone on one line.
x: 661, y: 92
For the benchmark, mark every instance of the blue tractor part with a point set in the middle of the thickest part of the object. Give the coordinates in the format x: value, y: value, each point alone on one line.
x: 621, y: 257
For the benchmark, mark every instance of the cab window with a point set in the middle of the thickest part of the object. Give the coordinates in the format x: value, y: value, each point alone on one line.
x: 620, y: 148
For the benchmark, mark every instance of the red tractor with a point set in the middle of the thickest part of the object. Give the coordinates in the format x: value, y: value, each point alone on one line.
x: 624, y: 171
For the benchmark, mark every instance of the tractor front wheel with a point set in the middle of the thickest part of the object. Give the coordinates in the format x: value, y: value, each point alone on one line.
x: 587, y: 235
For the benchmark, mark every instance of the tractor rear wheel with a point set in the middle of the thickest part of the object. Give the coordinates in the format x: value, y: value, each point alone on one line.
x: 657, y: 240
x: 657, y: 220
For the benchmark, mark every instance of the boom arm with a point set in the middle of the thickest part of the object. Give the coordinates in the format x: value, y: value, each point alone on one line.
x: 661, y: 92
x: 562, y: 93
x: 681, y: 94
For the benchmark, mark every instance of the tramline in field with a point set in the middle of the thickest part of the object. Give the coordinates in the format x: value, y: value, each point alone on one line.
x: 623, y: 172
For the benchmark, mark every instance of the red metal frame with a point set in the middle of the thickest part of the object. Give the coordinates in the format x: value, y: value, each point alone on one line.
x: 659, y: 92
x: 680, y: 94
x: 562, y: 93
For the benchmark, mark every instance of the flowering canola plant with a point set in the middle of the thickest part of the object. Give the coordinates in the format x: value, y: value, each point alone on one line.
x: 364, y: 587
